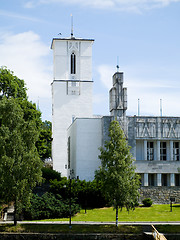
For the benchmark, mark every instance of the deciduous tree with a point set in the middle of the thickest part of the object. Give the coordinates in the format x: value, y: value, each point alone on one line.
x: 20, y: 166
x: 10, y: 85
x: 120, y: 183
x: 44, y: 142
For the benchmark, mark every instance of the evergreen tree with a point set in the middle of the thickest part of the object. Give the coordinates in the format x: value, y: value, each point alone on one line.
x: 117, y: 174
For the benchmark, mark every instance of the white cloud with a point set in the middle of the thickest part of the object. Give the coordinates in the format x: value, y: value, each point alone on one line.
x: 122, y: 5
x: 26, y: 56
x: 19, y: 16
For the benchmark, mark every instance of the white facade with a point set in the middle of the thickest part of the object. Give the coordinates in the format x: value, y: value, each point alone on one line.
x: 84, y: 139
x: 71, y: 92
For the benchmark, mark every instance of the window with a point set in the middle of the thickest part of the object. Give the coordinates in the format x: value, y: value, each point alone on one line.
x: 176, y: 151
x: 150, y: 151
x: 69, y: 160
x: 73, y: 63
x: 164, y: 179
x: 151, y: 179
x: 163, y: 151
x: 177, y: 179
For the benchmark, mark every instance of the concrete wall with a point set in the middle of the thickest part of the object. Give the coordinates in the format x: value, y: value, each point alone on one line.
x: 65, y: 108
x: 86, y: 138
x: 143, y: 130
x: 71, y: 93
x: 62, y: 49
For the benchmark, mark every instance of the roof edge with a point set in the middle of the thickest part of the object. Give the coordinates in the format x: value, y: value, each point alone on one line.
x: 71, y: 39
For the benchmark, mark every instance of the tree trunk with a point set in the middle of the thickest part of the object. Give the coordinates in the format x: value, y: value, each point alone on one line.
x: 116, y: 216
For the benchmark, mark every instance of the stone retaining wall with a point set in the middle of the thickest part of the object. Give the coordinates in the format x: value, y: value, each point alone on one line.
x: 160, y: 195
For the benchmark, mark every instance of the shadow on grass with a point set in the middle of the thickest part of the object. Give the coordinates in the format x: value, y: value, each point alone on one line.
x: 177, y: 205
x: 168, y: 228
x: 64, y: 228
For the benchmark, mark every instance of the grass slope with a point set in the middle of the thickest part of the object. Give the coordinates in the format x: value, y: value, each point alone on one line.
x: 159, y: 213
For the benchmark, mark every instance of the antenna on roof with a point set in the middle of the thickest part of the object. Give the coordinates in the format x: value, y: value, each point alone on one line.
x: 117, y: 66
x: 138, y: 107
x: 71, y: 26
x: 161, y: 107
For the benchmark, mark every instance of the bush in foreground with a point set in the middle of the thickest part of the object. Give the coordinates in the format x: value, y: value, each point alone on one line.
x: 147, y: 202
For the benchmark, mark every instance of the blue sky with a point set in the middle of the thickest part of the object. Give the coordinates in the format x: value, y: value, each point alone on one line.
x: 143, y: 34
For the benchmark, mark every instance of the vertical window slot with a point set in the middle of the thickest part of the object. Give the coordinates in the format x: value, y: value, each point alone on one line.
x: 73, y: 63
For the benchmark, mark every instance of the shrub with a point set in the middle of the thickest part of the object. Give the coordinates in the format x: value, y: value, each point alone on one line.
x: 49, y: 206
x: 50, y: 174
x: 87, y: 194
x: 147, y: 202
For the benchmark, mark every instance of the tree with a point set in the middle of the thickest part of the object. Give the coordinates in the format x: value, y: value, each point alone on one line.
x: 10, y: 85
x: 117, y: 174
x: 20, y: 166
x: 87, y: 194
x: 44, y: 142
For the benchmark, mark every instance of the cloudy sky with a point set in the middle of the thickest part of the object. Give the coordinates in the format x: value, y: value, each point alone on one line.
x: 141, y: 35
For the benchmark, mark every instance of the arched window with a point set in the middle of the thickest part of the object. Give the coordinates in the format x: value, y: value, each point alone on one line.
x: 73, y: 63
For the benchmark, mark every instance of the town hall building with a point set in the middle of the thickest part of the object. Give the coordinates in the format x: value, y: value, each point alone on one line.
x: 77, y: 134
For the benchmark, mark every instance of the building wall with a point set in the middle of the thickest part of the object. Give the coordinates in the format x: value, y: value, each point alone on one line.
x: 71, y: 92
x: 85, y: 140
x: 65, y: 108
x: 155, y: 143
x: 62, y: 49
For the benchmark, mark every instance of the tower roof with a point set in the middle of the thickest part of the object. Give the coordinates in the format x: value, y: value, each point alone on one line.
x: 70, y: 39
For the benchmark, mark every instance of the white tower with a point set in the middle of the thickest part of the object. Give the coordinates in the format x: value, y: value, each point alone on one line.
x: 71, y: 92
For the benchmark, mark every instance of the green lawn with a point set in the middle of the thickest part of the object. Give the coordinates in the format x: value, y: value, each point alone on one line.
x: 154, y: 213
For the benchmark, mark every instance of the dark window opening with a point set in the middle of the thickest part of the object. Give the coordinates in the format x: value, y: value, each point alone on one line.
x: 163, y: 151
x: 164, y: 180
x: 151, y: 179
x: 177, y: 180
x: 73, y: 63
x: 69, y: 160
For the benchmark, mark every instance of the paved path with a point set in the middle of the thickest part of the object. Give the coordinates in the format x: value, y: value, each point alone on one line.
x: 89, y: 222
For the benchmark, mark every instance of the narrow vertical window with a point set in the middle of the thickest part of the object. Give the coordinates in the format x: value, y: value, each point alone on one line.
x: 164, y: 180
x: 163, y: 151
x: 177, y: 179
x: 150, y: 151
x: 69, y: 160
x: 151, y: 179
x: 73, y: 63
x: 176, y: 151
